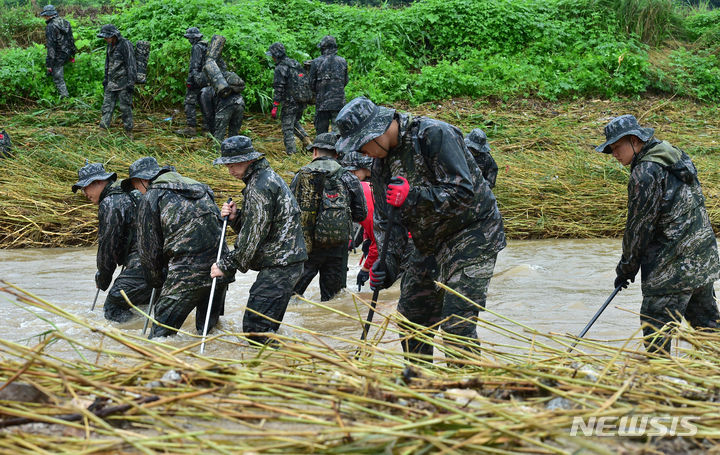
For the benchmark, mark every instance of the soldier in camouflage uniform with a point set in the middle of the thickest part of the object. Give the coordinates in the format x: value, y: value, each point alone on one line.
x: 476, y: 142
x: 668, y: 236
x: 196, y: 79
x: 269, y: 240
x: 120, y: 76
x: 331, y: 262
x: 423, y: 170
x: 292, y: 110
x: 179, y: 233
x: 229, y: 110
x: 328, y: 78
x: 5, y: 145
x: 117, y: 241
x: 60, y: 47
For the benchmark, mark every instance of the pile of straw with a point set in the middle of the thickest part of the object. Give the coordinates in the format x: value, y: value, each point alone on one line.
x: 126, y: 394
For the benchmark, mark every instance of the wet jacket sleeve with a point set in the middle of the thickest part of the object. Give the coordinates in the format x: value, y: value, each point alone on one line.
x: 257, y: 212
x: 358, y: 207
x: 197, y: 56
x: 107, y: 65
x: 280, y: 82
x: 490, y: 172
x: 129, y: 55
x: 151, y: 241
x: 50, y: 40
x: 313, y: 74
x: 111, y: 241
x: 645, y: 191
x: 452, y: 192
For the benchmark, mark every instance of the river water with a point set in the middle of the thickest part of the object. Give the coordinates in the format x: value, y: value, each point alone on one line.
x: 550, y: 285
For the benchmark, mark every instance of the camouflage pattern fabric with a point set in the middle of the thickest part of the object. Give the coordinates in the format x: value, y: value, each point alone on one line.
x: 290, y: 117
x: 142, y: 56
x: 123, y: 100
x: 179, y: 230
x: 324, y: 120
x: 698, y: 306
x: 117, y: 245
x: 173, y: 309
x: 331, y: 264
x: 668, y: 235
x: 281, y: 80
x: 328, y: 78
x: 268, y: 225
x: 207, y: 107
x: 5, y: 145
x: 268, y: 300
x: 228, y: 116
x: 487, y: 165
x: 450, y: 210
x: 60, y: 48
x: 120, y: 66
x: 196, y: 77
x: 192, y: 99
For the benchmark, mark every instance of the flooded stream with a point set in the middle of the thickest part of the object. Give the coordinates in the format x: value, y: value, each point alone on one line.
x: 550, y: 285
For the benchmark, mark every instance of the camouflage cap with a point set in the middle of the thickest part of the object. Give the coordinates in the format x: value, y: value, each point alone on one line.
x: 328, y: 41
x: 145, y: 168
x: 49, y: 10
x: 619, y: 127
x: 108, y: 31
x: 324, y: 141
x: 477, y: 140
x: 359, y: 122
x: 193, y: 32
x: 237, y: 149
x: 90, y: 173
x: 276, y: 50
x: 356, y: 160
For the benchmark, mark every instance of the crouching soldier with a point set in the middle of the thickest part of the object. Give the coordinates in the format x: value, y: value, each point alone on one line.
x: 423, y: 170
x: 117, y: 241
x: 668, y: 236
x: 179, y: 232
x: 269, y: 240
x: 330, y: 199
x: 476, y: 142
x: 229, y: 109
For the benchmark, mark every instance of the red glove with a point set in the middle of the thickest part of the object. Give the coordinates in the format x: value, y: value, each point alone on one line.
x: 187, y: 84
x: 273, y: 112
x: 397, y: 191
x: 72, y: 60
x: 49, y: 70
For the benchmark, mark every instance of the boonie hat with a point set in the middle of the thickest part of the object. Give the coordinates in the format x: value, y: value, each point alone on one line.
x: 146, y: 168
x: 90, y: 173
x: 356, y: 160
x: 327, y: 41
x: 276, y: 50
x: 49, y: 10
x: 237, y: 149
x: 108, y: 31
x: 619, y: 127
x: 193, y: 32
x: 477, y: 140
x: 359, y: 122
x: 324, y: 141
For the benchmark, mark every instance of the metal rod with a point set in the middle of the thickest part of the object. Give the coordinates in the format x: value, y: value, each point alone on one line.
x: 597, y: 315
x: 150, y: 310
x: 95, y: 300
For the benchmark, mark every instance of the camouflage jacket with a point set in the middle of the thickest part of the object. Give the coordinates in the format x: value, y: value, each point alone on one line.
x: 268, y: 225
x: 117, y: 239
x: 58, y: 42
x: 120, y: 66
x: 487, y: 165
x: 179, y: 228
x: 328, y: 78
x: 281, y: 81
x: 450, y: 210
x: 196, y: 77
x: 668, y: 235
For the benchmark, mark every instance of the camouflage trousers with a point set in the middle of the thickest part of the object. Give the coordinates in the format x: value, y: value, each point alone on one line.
x: 424, y: 305
x: 228, y: 119
x: 268, y: 300
x: 207, y: 107
x: 323, y: 120
x: 173, y: 309
x: 58, y: 77
x: 332, y: 267
x: 290, y: 117
x: 192, y: 99
x: 132, y: 281
x: 698, y: 307
x: 123, y: 100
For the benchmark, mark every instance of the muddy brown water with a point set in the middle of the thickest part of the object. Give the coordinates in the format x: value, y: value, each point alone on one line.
x: 549, y: 285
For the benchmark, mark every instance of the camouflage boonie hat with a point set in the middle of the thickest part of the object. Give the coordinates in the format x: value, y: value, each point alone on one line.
x: 359, y: 122
x: 145, y: 168
x: 237, y: 149
x: 619, y: 127
x: 108, y: 31
x: 193, y: 32
x: 49, y: 10
x: 324, y: 141
x: 326, y: 42
x: 90, y: 173
x: 477, y: 140
x: 356, y: 160
x: 276, y: 50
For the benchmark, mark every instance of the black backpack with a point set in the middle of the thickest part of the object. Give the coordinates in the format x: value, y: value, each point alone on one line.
x: 299, y: 83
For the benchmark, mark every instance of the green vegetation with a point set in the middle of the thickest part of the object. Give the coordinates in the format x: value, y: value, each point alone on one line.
x: 430, y: 50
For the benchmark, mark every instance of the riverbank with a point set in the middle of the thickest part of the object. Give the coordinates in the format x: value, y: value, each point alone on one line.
x: 551, y: 184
